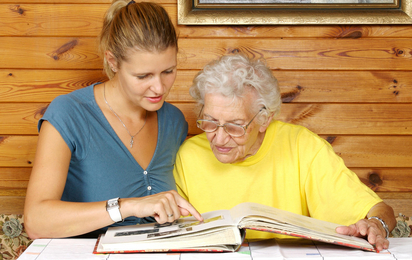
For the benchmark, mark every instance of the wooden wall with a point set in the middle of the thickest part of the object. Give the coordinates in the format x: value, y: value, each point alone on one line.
x: 350, y: 84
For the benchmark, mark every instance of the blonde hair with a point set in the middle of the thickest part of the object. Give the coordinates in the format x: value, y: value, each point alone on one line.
x: 142, y: 26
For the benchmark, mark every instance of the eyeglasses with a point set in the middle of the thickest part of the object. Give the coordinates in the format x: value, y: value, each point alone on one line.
x: 232, y: 129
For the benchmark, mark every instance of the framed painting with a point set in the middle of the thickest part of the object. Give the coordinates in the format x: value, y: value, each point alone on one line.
x: 288, y: 12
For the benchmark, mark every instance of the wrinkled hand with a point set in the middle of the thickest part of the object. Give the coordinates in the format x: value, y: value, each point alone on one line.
x: 164, y: 207
x: 372, y: 229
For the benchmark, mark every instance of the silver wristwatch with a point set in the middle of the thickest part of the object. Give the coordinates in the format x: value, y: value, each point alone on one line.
x: 112, y: 206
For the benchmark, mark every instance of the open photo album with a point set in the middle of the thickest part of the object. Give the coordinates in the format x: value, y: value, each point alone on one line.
x: 221, y: 231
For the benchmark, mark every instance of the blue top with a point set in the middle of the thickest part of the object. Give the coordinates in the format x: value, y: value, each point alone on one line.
x: 101, y: 166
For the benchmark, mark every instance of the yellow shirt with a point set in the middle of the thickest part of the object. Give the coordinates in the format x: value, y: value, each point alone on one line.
x: 294, y: 170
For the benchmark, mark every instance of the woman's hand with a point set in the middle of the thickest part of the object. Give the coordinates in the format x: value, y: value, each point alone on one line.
x: 371, y: 229
x: 164, y: 207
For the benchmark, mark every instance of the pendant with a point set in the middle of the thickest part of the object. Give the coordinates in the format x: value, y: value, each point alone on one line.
x: 131, y: 142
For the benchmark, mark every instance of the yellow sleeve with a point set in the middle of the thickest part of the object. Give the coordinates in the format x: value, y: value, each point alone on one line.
x: 178, y: 174
x: 334, y: 192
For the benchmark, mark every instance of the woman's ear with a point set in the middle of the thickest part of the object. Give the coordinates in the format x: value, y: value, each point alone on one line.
x: 111, y: 59
x: 266, y: 124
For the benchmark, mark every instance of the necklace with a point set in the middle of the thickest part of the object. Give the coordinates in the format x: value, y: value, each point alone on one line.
x: 111, y: 109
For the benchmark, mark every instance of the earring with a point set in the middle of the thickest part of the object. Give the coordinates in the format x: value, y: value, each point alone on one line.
x: 113, y: 69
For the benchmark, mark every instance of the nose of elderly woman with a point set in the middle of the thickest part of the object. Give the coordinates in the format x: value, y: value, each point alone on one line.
x: 221, y: 136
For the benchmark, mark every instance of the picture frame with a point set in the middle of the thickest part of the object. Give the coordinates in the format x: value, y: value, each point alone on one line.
x: 193, y: 12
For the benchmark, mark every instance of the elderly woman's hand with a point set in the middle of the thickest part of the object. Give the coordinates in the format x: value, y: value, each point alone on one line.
x: 372, y: 229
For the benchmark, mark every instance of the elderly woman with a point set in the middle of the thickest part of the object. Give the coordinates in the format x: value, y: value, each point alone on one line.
x: 246, y: 155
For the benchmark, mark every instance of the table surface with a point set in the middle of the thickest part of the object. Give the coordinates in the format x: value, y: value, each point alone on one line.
x: 80, y: 249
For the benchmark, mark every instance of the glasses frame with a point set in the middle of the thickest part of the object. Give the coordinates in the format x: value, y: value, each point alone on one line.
x: 198, y: 122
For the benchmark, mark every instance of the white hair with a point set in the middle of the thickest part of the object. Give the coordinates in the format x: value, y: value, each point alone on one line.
x: 234, y: 76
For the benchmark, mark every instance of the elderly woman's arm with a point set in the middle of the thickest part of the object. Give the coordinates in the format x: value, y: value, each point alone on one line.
x: 372, y: 228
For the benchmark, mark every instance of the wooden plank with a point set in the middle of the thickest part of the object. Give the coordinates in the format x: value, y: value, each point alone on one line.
x: 373, y: 151
x: 13, y: 186
x: 17, y: 151
x: 345, y: 86
x: 43, y: 85
x: 11, y: 205
x: 285, y: 54
x: 22, y: 118
x: 304, y: 54
x: 401, y: 202
x: 57, y: 19
x: 27, y: 85
x: 71, y: 18
x: 21, y: 192
x: 15, y: 173
x: 52, y: 53
x: 386, y: 179
x: 51, y: 19
x: 352, y: 119
x: 356, y: 151
x: 296, y: 31
x: 13, y: 181
x: 395, y: 195
x: 403, y: 206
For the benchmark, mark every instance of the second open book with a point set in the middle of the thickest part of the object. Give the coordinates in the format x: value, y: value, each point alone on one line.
x: 221, y: 231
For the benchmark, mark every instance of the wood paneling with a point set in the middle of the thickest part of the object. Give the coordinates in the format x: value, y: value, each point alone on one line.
x: 281, y: 54
x: 17, y: 151
x: 11, y: 204
x: 51, y: 19
x: 351, y: 84
x: 356, y: 151
x: 49, y: 53
x: 21, y: 118
x: 32, y: 85
x: 306, y: 54
x: 14, y: 178
x: 28, y: 18
x: 401, y: 202
x: 386, y: 179
x: 373, y: 151
x: 357, y: 119
x: 28, y: 85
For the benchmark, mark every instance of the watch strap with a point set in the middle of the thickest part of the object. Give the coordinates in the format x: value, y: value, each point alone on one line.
x: 113, y: 208
x: 383, y: 224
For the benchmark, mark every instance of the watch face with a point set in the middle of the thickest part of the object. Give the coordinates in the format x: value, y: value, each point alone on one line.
x: 112, y: 203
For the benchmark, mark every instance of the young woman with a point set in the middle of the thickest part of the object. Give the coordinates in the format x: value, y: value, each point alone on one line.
x: 106, y: 152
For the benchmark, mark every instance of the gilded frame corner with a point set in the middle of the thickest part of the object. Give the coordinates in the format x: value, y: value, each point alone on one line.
x: 189, y: 14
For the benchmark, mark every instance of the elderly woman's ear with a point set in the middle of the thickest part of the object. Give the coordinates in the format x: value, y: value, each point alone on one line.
x: 267, y: 119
